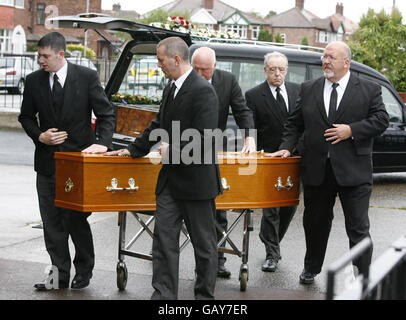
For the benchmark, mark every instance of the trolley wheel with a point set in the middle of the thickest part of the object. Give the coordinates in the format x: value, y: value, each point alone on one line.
x: 122, y: 276
x: 243, y: 280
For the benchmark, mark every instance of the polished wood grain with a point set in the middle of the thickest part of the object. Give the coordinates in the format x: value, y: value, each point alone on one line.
x: 132, y: 120
x: 251, y: 180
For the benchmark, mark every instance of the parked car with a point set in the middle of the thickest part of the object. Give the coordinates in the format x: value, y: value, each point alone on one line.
x: 145, y: 72
x: 245, y: 61
x: 13, y: 71
x: 85, y: 62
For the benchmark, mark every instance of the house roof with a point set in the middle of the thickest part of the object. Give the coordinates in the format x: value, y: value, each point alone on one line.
x: 301, y: 18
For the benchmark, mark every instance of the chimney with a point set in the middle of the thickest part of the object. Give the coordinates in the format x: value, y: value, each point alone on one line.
x: 300, y: 4
x: 208, y: 4
x: 340, y: 9
x: 116, y: 7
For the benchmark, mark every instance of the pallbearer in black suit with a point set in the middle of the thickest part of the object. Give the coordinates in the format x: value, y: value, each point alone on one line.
x: 185, y: 191
x: 339, y: 115
x: 56, y: 113
x: 229, y: 95
x: 271, y: 103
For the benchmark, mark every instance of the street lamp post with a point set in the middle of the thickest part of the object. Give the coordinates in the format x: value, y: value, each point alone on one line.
x: 85, y: 44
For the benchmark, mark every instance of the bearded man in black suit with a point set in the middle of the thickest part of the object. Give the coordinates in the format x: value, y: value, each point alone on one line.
x: 185, y: 191
x: 271, y: 103
x: 339, y: 115
x: 230, y: 96
x: 56, y: 114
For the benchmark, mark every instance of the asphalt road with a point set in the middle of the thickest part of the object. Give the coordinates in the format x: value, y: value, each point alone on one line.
x: 23, y: 257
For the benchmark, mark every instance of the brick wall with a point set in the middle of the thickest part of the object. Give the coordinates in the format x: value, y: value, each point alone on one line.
x: 27, y: 17
x: 295, y: 35
x: 6, y: 17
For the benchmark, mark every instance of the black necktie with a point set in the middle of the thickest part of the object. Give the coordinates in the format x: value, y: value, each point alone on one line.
x: 333, y: 104
x: 57, y: 94
x: 171, y: 93
x: 281, y: 102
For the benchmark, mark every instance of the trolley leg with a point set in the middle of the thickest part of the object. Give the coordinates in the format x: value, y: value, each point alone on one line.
x: 245, y: 248
x: 122, y: 273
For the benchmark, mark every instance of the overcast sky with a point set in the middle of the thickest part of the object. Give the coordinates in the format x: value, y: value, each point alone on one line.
x: 353, y: 9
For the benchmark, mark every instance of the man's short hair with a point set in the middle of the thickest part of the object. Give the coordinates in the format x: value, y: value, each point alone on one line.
x: 53, y: 40
x: 274, y: 54
x: 175, y: 46
x: 206, y: 50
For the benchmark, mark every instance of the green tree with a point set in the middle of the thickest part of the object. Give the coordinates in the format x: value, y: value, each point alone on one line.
x: 305, y: 41
x: 278, y: 38
x: 380, y: 42
x: 90, y: 54
x: 264, y: 35
x: 270, y: 14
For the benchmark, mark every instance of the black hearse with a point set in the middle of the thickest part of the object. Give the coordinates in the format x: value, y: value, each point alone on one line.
x: 245, y: 60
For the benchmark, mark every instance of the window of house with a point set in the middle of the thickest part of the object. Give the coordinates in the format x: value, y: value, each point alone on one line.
x: 19, y: 4
x: 241, y: 30
x: 323, y: 37
x: 7, y: 2
x: 41, y: 13
x: 283, y: 37
x: 255, y: 32
x: 5, y: 40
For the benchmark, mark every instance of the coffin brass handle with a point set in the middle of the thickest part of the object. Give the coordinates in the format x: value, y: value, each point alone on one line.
x: 114, y: 186
x: 279, y: 186
x: 69, y: 185
x: 224, y: 184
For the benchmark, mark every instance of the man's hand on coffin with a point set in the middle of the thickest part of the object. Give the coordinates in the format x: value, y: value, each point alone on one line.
x: 162, y: 149
x: 95, y: 148
x: 249, y: 145
x: 280, y: 153
x: 53, y: 137
x: 120, y: 153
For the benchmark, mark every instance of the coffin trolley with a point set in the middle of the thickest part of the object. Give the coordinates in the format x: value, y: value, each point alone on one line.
x: 97, y: 183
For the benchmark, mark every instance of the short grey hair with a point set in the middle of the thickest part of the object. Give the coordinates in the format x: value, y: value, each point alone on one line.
x: 175, y: 46
x: 274, y: 54
x: 205, y: 50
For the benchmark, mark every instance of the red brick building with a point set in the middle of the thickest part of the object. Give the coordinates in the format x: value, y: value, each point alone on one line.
x: 295, y: 24
x: 32, y: 16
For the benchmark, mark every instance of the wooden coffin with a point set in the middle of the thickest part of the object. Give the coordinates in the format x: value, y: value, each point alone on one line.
x: 96, y: 183
x: 132, y: 120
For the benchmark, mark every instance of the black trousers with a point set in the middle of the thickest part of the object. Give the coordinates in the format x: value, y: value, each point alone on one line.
x: 198, y: 216
x: 274, y: 224
x: 58, y: 225
x: 221, y: 218
x: 318, y: 216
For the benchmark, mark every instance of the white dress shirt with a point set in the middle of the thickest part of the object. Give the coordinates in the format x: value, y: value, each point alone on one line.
x: 284, y: 93
x: 179, y: 82
x: 328, y: 88
x: 61, y: 73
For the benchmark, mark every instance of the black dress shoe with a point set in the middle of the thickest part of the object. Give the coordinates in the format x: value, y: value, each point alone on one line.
x: 48, y: 286
x: 269, y: 265
x: 223, y: 272
x: 307, y: 277
x: 80, y: 281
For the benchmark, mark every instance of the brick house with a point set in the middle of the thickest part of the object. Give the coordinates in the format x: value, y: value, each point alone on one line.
x: 217, y: 15
x: 295, y: 24
x: 31, y: 15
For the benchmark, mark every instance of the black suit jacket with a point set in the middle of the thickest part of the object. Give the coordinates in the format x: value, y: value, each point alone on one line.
x: 195, y: 107
x: 269, y: 119
x: 82, y: 95
x: 361, y: 108
x: 229, y: 94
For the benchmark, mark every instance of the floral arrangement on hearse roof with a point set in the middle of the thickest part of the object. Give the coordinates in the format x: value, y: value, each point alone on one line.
x: 182, y: 25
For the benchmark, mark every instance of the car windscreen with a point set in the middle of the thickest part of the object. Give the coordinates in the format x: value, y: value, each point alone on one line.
x: 7, y: 63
